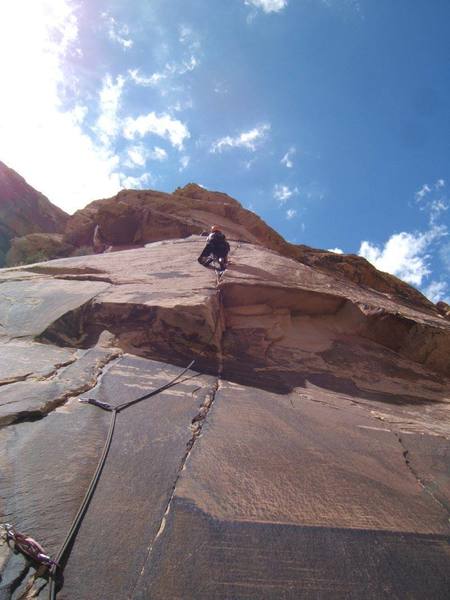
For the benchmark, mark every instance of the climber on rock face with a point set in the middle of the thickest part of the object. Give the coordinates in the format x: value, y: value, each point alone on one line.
x: 216, y: 248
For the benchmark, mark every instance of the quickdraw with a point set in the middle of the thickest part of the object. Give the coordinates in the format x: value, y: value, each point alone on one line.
x: 27, y: 545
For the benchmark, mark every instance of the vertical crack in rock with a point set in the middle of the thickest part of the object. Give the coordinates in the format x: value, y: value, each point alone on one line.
x: 426, y: 487
x: 196, y: 429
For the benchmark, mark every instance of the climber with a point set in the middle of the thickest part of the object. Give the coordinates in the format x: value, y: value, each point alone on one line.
x: 216, y: 248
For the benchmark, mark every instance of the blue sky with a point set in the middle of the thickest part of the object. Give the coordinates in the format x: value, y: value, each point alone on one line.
x: 329, y: 118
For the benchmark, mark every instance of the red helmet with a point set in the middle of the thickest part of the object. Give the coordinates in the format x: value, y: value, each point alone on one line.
x: 214, y: 228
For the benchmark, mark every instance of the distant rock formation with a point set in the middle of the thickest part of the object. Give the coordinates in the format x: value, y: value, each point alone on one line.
x: 133, y: 218
x: 23, y: 210
x: 138, y: 217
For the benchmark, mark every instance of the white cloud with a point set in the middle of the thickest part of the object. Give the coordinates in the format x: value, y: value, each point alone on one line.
x: 282, y: 192
x: 432, y: 199
x: 437, y: 290
x: 184, y: 162
x: 157, y: 154
x: 268, y: 6
x: 169, y: 71
x: 188, y: 37
x: 189, y: 62
x: 38, y: 138
x: 291, y: 213
x: 116, y: 32
x: 249, y: 163
x: 404, y: 254
x: 220, y: 88
x: 336, y: 250
x: 144, y: 81
x: 129, y: 182
x: 424, y: 191
x: 163, y: 125
x: 409, y: 255
x: 247, y: 139
x: 287, y: 158
x: 137, y: 155
x: 108, y: 124
x: 444, y: 254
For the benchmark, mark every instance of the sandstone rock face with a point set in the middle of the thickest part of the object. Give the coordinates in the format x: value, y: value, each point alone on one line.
x: 133, y: 218
x: 23, y: 210
x: 444, y: 309
x: 139, y: 217
x: 304, y: 455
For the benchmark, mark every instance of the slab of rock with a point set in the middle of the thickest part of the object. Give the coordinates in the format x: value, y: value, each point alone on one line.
x: 316, y: 468
x: 292, y: 497
x: 23, y: 359
x: 40, y: 394
x: 51, y: 461
x: 27, y: 307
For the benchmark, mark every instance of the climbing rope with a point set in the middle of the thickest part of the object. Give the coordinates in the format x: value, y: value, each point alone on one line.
x: 95, y: 478
x: 33, y: 549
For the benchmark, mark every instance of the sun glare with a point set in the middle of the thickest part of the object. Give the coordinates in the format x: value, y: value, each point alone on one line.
x: 38, y: 137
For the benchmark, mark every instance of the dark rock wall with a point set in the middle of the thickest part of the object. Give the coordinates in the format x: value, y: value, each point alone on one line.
x: 23, y: 210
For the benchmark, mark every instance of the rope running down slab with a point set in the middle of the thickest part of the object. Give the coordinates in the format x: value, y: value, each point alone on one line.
x: 70, y: 537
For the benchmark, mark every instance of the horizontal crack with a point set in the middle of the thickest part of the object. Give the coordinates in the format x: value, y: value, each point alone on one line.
x: 36, y: 377
x: 48, y: 407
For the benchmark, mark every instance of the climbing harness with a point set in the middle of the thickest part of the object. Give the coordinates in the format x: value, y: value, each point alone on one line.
x: 33, y: 549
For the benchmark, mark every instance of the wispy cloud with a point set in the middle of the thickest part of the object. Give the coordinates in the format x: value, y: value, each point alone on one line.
x: 250, y: 140
x: 268, y: 6
x: 189, y: 38
x: 432, y: 199
x: 190, y: 60
x: 184, y: 163
x: 282, y: 193
x: 157, y: 154
x: 437, y: 290
x: 287, y: 158
x: 143, y: 80
x: 162, y: 125
x: 139, y: 154
x: 291, y: 213
x: 108, y: 124
x: 444, y: 255
x: 136, y: 183
x: 170, y: 70
x: 116, y: 32
x: 336, y: 250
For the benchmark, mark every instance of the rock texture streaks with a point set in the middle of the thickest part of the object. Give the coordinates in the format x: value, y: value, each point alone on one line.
x: 304, y: 455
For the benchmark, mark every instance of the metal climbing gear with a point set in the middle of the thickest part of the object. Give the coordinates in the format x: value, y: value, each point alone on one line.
x: 31, y: 547
x: 27, y: 545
